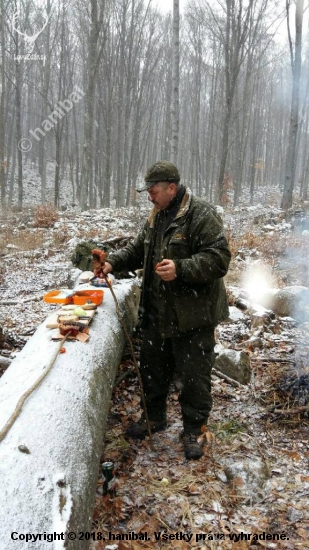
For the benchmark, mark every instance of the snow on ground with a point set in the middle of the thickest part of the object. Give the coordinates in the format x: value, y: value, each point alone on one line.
x: 36, y: 260
x: 254, y: 476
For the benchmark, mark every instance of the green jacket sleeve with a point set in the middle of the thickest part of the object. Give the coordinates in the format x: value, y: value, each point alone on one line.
x: 131, y: 256
x: 210, y: 252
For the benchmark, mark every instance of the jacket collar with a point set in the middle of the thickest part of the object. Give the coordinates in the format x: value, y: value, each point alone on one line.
x: 183, y: 208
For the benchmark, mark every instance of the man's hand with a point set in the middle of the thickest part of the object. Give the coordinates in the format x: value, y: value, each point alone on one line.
x: 98, y: 261
x: 166, y: 270
x: 107, y: 268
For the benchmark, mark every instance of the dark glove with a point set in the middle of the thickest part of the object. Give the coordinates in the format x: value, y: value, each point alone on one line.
x: 98, y: 261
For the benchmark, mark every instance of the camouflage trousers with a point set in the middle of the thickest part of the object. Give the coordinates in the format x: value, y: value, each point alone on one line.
x: 189, y: 359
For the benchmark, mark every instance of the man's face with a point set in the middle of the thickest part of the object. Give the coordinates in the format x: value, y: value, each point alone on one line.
x: 161, y: 194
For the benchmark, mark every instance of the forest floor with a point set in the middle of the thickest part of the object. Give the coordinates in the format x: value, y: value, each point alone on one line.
x: 251, y: 487
x: 175, y: 503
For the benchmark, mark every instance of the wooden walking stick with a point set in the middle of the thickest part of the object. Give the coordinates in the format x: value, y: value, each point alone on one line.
x: 120, y: 318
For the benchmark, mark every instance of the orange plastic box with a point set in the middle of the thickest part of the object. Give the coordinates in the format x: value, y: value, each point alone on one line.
x: 82, y: 296
x: 58, y: 297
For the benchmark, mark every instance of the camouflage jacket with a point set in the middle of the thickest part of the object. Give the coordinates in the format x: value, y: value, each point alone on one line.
x: 195, y: 241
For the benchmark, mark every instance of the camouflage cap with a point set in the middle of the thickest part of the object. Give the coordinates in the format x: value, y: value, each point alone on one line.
x: 160, y: 171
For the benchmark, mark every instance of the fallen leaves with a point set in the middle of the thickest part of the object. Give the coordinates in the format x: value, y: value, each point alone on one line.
x: 187, y: 484
x: 294, y: 455
x: 161, y: 491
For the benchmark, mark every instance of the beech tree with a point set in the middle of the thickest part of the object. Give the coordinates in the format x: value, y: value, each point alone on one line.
x: 175, y: 84
x: 292, y: 149
x: 3, y: 162
x: 95, y: 46
x: 214, y: 96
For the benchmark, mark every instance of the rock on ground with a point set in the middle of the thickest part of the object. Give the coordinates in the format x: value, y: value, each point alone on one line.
x: 235, y: 364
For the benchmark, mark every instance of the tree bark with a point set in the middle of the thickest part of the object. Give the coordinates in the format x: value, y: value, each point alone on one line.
x: 3, y: 165
x: 46, y: 82
x: 175, y: 79
x: 94, y: 54
x: 18, y: 114
x: 292, y: 152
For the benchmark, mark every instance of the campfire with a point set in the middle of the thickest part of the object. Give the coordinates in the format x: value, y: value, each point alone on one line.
x: 294, y: 389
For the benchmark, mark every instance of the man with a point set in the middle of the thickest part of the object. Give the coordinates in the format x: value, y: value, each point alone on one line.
x: 184, y: 255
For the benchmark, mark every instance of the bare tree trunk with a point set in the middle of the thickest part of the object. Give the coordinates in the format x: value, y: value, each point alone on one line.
x: 107, y: 90
x: 229, y: 95
x: 60, y: 124
x: 166, y: 145
x: 243, y: 134
x: 241, y: 31
x: 12, y: 178
x: 108, y: 151
x: 196, y: 119
x: 175, y: 77
x: 46, y: 81
x: 57, y: 168
x: 253, y: 158
x: 94, y: 54
x: 12, y: 155
x: 2, y: 108
x: 77, y: 175
x: 291, y: 155
x: 305, y: 180
x: 98, y: 185
x: 18, y: 114
x: 120, y: 183
x: 225, y: 147
x: 305, y: 160
x: 212, y: 134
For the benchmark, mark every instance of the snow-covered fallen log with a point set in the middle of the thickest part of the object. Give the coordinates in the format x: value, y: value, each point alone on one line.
x: 49, y: 459
x: 5, y: 362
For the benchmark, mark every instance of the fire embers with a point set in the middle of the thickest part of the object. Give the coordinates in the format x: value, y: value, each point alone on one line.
x: 296, y: 388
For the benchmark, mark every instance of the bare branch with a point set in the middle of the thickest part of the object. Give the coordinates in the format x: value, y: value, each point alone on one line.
x: 289, y: 34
